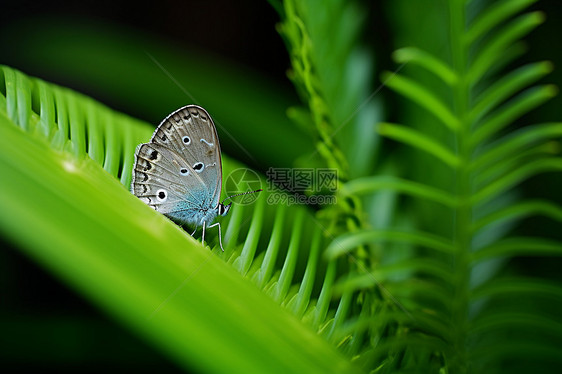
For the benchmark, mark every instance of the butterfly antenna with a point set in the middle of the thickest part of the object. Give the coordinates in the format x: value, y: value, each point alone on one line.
x: 240, y: 194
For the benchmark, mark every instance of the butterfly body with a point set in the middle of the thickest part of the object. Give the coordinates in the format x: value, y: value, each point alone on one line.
x: 179, y: 172
x: 194, y: 216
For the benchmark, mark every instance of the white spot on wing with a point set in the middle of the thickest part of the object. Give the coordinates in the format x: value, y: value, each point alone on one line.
x: 161, y: 195
x: 206, y: 142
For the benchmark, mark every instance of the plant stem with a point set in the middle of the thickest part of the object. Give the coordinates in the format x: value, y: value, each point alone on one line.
x: 463, y: 213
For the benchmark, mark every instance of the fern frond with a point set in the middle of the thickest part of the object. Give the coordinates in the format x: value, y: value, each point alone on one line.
x: 510, y: 164
x: 516, y: 107
x: 287, y: 271
x: 368, y: 185
x: 302, y: 299
x: 501, y: 320
x: 458, y: 275
x: 519, y: 286
x: 424, y: 98
x: 519, y: 210
x: 74, y: 123
x: 493, y: 16
x: 347, y: 242
x: 419, y: 140
x: 486, y: 56
x: 516, y: 142
x: 429, y: 62
x: 388, y: 272
x: 187, y: 301
x: 522, y: 246
x: 515, y: 177
x: 506, y: 87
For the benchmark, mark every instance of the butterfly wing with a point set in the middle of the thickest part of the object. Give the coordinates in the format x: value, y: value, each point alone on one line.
x: 179, y: 173
x: 191, y: 132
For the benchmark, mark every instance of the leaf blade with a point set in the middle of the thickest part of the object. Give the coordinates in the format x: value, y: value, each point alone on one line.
x: 419, y: 140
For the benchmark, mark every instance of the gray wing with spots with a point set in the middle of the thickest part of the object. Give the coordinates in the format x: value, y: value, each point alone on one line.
x: 179, y: 172
x: 191, y: 132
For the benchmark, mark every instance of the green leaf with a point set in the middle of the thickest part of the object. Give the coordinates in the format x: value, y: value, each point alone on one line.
x: 516, y: 142
x: 186, y: 300
x: 385, y: 273
x: 418, y: 291
x: 345, y: 243
x: 533, y: 352
x: 516, y: 107
x: 131, y: 261
x: 518, y: 211
x: 486, y: 57
x: 519, y: 247
x: 423, y: 97
x: 410, y: 55
x: 518, y: 286
x: 419, y: 140
x: 299, y: 303
x: 265, y: 273
x: 515, y: 162
x: 479, y: 184
x: 367, y: 185
x: 516, y: 176
x: 509, y: 320
x: 506, y: 87
x: 287, y: 272
x: 508, y: 56
x: 493, y: 16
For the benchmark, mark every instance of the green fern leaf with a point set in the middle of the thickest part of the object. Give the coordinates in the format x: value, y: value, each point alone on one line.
x: 462, y: 284
x: 131, y: 261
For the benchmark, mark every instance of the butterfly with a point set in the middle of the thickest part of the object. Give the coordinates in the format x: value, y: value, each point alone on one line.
x: 179, y: 172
